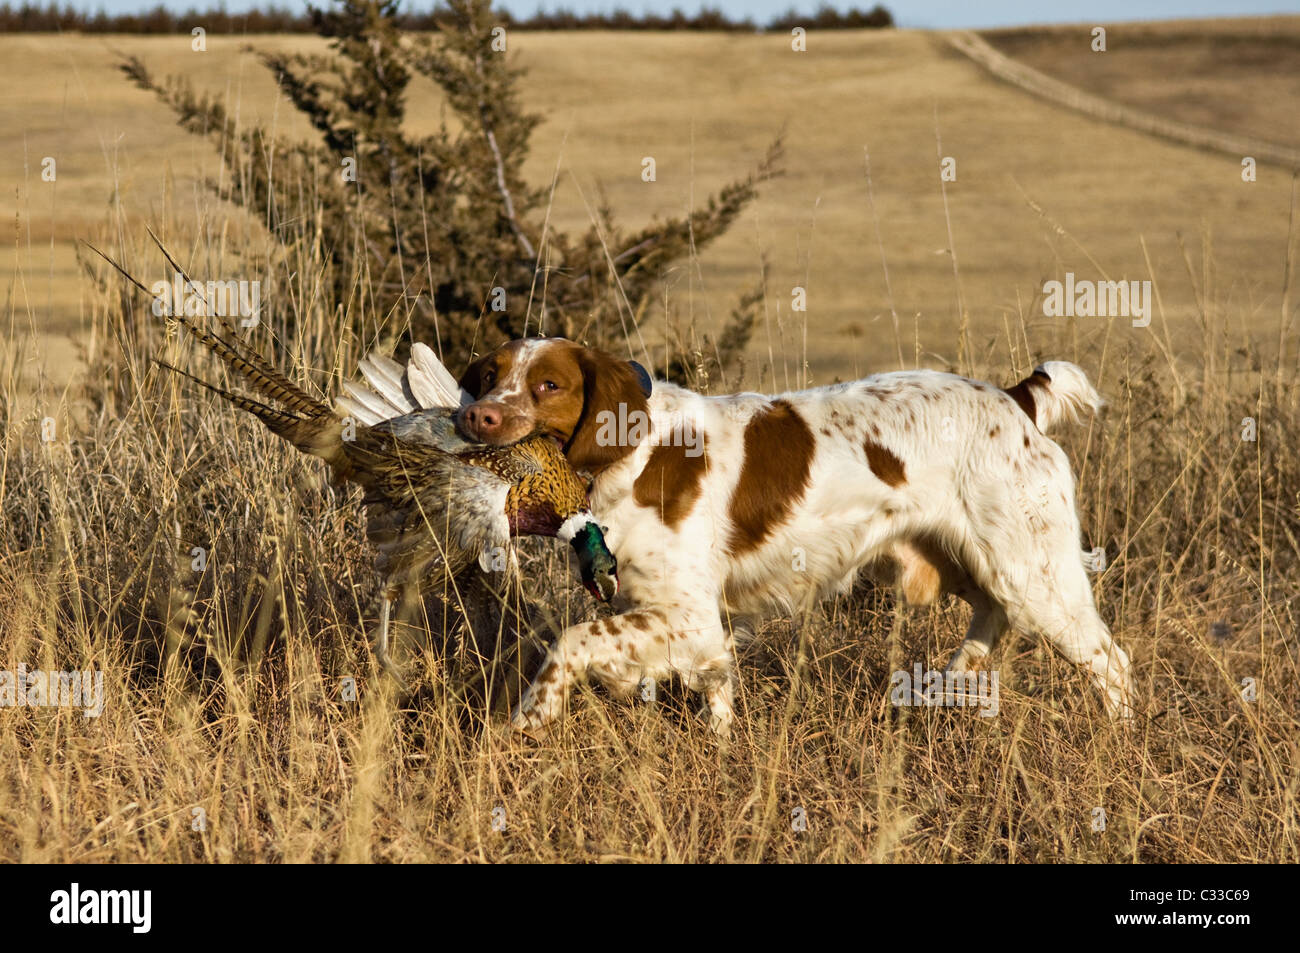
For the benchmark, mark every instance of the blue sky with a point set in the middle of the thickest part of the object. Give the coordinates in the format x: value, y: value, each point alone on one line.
x: 911, y: 13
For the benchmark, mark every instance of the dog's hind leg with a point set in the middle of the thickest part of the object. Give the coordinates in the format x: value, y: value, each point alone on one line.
x: 1039, y: 581
x: 987, y: 624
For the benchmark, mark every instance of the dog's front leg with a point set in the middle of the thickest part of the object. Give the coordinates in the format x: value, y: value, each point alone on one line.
x: 621, y: 650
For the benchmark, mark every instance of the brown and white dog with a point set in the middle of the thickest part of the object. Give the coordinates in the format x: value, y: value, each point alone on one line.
x: 719, y: 508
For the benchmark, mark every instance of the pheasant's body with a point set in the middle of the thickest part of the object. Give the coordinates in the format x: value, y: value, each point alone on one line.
x: 474, y: 498
x: 434, y: 501
x: 542, y: 474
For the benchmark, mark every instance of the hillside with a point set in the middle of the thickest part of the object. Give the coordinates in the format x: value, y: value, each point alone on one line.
x: 1039, y: 191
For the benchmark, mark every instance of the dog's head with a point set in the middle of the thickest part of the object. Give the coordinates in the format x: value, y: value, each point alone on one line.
x: 581, y: 397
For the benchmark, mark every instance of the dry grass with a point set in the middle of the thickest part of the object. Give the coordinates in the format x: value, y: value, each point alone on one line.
x: 226, y: 688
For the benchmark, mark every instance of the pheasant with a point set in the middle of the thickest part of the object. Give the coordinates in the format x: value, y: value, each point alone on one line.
x: 434, y: 501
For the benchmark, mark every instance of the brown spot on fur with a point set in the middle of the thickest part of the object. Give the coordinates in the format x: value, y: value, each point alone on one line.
x: 670, y: 482
x: 778, y: 456
x: 994, y: 431
x: 1026, y: 440
x: 884, y: 464
x: 1023, y: 393
x: 926, y: 571
x: 919, y: 576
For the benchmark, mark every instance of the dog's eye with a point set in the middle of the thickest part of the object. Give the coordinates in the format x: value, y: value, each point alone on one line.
x: 550, y: 385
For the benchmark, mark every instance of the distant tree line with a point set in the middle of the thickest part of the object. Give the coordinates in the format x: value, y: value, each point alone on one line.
x: 33, y: 18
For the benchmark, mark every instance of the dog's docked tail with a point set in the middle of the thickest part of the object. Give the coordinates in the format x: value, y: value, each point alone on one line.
x: 1057, y: 390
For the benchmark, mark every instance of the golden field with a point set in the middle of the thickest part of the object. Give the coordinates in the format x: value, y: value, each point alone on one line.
x: 224, y: 690
x: 1039, y: 191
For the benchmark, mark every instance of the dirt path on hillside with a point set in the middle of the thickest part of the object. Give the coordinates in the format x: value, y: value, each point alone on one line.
x: 1039, y: 84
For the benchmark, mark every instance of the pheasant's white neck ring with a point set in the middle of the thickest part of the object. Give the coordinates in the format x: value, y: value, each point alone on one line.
x: 569, y: 528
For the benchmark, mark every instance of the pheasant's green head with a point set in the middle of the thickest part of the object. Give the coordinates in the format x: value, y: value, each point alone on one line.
x: 598, y: 565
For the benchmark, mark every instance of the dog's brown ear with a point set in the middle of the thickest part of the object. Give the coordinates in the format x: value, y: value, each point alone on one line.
x: 615, y: 414
x: 472, y: 379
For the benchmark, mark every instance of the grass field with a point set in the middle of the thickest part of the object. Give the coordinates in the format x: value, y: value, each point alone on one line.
x: 229, y: 732
x: 1039, y: 191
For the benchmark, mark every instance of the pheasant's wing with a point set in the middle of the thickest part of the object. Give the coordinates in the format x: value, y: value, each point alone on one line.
x: 471, y: 506
x: 391, y: 390
x: 428, y: 510
x: 431, y: 382
x: 387, y: 395
x: 429, y: 428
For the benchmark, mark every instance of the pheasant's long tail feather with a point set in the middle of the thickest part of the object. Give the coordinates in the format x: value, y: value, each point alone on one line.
x: 256, y: 371
x: 246, y: 363
x: 283, y: 423
x: 372, y: 460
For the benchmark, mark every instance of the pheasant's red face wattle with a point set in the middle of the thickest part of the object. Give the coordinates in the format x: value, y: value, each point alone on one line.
x: 537, y: 520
